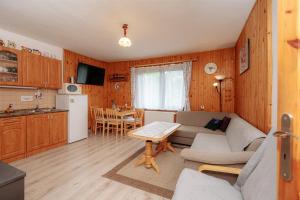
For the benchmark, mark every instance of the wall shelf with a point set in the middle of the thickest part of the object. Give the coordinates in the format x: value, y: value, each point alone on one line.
x: 118, y: 77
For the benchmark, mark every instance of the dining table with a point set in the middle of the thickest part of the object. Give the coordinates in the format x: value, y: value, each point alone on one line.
x: 122, y: 114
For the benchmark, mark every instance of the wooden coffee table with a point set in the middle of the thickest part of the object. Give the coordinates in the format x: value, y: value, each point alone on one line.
x: 154, y: 132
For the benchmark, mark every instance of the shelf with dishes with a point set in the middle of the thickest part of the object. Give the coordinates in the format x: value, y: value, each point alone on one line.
x: 8, y: 66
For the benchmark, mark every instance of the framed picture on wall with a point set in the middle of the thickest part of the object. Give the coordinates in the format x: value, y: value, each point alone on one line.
x: 245, y: 57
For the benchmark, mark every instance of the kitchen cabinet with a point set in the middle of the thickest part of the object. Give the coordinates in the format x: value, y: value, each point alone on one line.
x: 22, y: 68
x: 27, y: 135
x: 12, y: 138
x: 33, y: 74
x: 45, y: 131
x: 38, y: 135
x: 58, y: 128
x: 10, y: 66
x: 52, y: 73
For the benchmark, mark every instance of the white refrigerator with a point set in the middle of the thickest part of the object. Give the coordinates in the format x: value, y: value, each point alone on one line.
x: 77, y: 115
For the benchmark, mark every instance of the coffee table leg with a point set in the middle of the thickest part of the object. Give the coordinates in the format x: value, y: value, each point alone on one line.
x: 154, y: 165
x: 170, y: 147
x: 147, y: 158
x: 148, y: 154
x: 141, y: 161
x: 164, y: 146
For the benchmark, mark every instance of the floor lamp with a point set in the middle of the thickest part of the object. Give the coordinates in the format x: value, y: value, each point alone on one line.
x: 218, y: 86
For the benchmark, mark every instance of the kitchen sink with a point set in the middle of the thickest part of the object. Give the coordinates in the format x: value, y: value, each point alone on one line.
x: 40, y: 110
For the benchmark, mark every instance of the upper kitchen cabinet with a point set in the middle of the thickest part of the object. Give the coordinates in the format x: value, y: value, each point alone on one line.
x: 33, y: 74
x: 40, y: 71
x: 22, y: 68
x: 52, y: 73
x: 10, y: 67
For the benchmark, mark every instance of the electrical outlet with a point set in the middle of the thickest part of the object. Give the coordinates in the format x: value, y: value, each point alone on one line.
x: 26, y: 98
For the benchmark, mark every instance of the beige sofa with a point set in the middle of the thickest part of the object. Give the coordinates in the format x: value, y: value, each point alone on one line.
x: 235, y: 146
x: 193, y: 123
x: 256, y: 181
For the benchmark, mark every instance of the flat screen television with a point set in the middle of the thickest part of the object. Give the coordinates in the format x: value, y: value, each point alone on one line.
x: 91, y: 75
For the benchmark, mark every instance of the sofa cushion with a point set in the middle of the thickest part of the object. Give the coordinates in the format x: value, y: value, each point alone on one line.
x: 216, y: 158
x: 225, y: 123
x: 191, y: 131
x: 240, y: 134
x: 200, y: 118
x: 205, y: 130
x: 193, y: 185
x: 181, y: 140
x: 250, y: 166
x: 210, y: 143
x: 187, y: 131
x: 213, y: 124
x: 256, y: 187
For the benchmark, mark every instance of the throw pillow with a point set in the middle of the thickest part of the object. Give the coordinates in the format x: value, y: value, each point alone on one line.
x: 225, y: 123
x: 213, y: 124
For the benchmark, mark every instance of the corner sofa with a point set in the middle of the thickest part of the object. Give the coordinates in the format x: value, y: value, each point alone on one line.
x: 231, y: 148
x: 235, y: 146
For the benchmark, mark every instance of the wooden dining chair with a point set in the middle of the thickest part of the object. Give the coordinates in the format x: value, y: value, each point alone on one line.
x: 131, y: 123
x: 92, y: 116
x: 99, y: 120
x: 114, y: 123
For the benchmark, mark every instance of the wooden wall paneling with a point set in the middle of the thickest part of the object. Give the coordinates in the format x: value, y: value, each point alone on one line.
x: 253, y: 87
x: 97, y: 95
x: 201, y: 90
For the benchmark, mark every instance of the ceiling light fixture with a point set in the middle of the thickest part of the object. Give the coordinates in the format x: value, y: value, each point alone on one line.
x: 125, y: 41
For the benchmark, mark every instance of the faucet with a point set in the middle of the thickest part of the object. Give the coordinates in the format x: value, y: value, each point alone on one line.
x: 37, y: 107
x: 38, y: 95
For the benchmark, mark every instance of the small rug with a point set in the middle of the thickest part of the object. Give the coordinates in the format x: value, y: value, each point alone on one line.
x: 162, y: 184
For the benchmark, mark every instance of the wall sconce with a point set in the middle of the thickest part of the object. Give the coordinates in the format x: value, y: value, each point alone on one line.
x: 218, y: 85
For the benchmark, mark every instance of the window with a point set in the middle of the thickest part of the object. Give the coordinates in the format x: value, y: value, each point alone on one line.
x: 160, y: 87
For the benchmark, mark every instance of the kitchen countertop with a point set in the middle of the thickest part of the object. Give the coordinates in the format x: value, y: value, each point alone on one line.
x: 25, y: 112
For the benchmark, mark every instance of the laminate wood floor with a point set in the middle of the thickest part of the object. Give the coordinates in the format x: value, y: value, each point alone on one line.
x: 75, y: 171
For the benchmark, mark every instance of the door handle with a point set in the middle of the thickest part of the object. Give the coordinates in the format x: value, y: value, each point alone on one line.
x: 286, y: 134
x: 283, y: 134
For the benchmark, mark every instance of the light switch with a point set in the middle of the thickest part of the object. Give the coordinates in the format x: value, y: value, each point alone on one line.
x: 26, y: 98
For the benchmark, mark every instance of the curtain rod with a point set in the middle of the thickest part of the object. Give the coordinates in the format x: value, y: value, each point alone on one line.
x: 166, y: 63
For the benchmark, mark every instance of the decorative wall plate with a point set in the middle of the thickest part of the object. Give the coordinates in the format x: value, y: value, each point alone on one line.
x: 210, y: 68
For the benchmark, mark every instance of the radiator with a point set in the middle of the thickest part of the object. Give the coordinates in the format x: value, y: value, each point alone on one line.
x: 151, y: 116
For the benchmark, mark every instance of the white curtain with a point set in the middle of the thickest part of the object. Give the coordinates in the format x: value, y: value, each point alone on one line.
x: 164, y: 87
x: 187, y: 74
x: 132, y: 74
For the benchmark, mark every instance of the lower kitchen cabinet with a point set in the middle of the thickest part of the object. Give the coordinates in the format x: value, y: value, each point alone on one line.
x: 45, y: 131
x: 27, y: 135
x: 58, y: 128
x: 12, y: 138
x: 38, y: 135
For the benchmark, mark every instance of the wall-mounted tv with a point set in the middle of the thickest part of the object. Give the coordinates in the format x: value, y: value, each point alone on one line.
x: 91, y: 75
